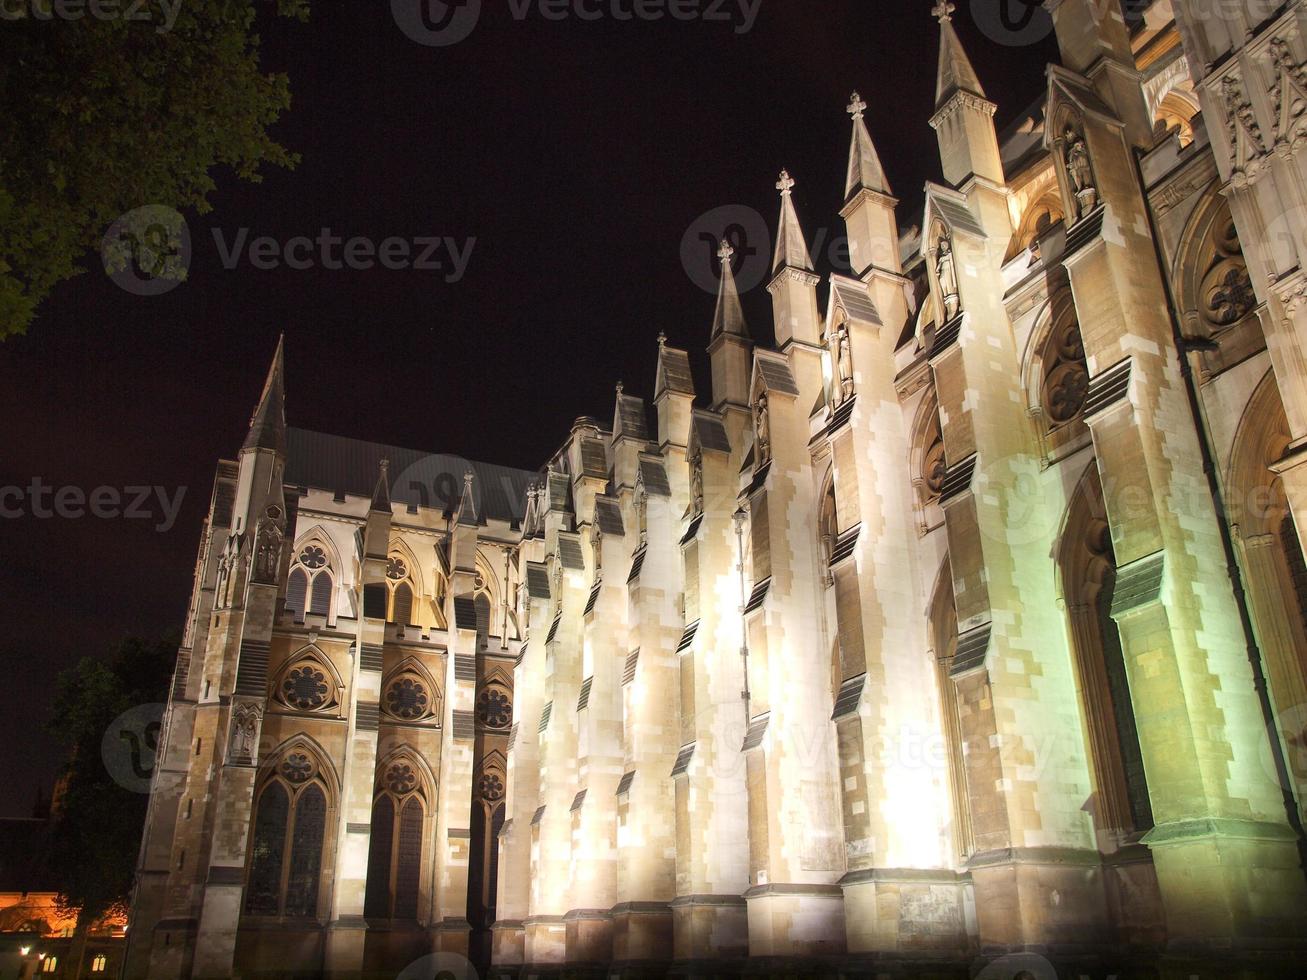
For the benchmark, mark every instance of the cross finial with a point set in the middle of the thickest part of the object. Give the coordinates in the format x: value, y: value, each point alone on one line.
x: 857, y: 107
x: 786, y: 183
x: 725, y: 252
x: 943, y: 11
x: 662, y: 338
x: 620, y: 388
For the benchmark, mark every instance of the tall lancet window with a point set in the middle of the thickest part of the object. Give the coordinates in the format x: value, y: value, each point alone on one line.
x: 395, y: 849
x: 290, y: 824
x: 311, y: 583
x: 399, y: 577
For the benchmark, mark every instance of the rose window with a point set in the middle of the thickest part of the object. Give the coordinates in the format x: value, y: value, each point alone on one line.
x: 494, y: 710
x: 401, y: 779
x: 313, y: 557
x: 297, y: 768
x: 491, y: 788
x: 407, y: 698
x: 305, y: 688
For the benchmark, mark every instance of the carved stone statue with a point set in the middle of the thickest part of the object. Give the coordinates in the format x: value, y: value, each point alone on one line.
x: 946, y: 273
x: 844, y: 360
x: 597, y: 544
x: 244, y: 732
x: 764, y: 428
x: 267, y: 555
x: 696, y: 483
x: 1080, y: 173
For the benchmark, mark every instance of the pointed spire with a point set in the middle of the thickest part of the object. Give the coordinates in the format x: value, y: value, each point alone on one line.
x: 791, y: 249
x: 381, y: 495
x: 955, y: 71
x: 729, y: 317
x: 865, y: 171
x: 268, y: 425
x: 467, y: 506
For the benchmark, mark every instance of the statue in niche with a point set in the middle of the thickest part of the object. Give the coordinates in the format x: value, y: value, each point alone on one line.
x: 696, y: 483
x: 244, y: 732
x: 844, y: 361
x: 764, y: 429
x: 267, y: 558
x: 597, y: 544
x: 1080, y: 173
x: 947, y: 274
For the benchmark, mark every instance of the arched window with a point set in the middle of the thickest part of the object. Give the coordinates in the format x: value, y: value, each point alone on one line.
x: 309, y: 588
x: 297, y: 589
x: 50, y: 964
x: 289, y: 832
x: 1088, y: 567
x: 403, y: 605
x: 98, y: 963
x: 395, y: 849
x: 320, y: 605
x: 399, y: 580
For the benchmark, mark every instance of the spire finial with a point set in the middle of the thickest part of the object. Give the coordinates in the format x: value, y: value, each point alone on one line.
x: 943, y: 11
x: 620, y: 388
x: 662, y: 339
x: 786, y: 183
x: 856, y: 106
x: 725, y: 252
x: 385, y: 464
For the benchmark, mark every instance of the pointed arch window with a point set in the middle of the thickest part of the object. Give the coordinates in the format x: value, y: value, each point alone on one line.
x: 396, y: 846
x: 399, y: 580
x: 290, y: 822
x: 309, y: 588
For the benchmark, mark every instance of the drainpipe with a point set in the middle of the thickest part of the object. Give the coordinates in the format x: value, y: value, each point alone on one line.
x: 1185, y: 347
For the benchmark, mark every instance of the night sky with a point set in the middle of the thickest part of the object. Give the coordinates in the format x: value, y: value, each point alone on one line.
x: 576, y: 153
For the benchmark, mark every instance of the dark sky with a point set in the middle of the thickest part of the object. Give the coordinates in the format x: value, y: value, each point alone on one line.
x: 576, y: 153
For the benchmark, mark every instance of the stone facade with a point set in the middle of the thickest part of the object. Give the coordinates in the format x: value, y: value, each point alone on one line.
x: 965, y: 629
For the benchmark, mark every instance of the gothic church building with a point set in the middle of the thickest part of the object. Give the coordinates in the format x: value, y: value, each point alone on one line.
x: 962, y: 632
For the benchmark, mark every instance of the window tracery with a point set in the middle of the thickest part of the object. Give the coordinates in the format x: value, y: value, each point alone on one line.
x: 288, y: 840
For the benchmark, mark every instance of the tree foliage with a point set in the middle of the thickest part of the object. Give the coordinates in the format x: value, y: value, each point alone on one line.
x: 106, y: 114
x: 96, y: 820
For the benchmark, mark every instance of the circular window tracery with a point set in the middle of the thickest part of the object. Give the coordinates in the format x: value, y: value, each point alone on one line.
x: 396, y: 569
x: 313, y: 557
x: 494, y: 709
x: 305, y: 687
x: 401, y: 779
x: 407, y: 698
x: 297, y: 768
x: 491, y: 787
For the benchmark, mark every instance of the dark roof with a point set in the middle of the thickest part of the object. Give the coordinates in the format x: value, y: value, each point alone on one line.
x: 342, y: 465
x: 654, y: 475
x: 609, y: 516
x: 594, y: 460
x: 569, y: 551
x: 632, y: 418
x: 776, y: 375
x: 711, y: 432
x: 856, y: 303
x: 537, y: 580
x: 674, y: 370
